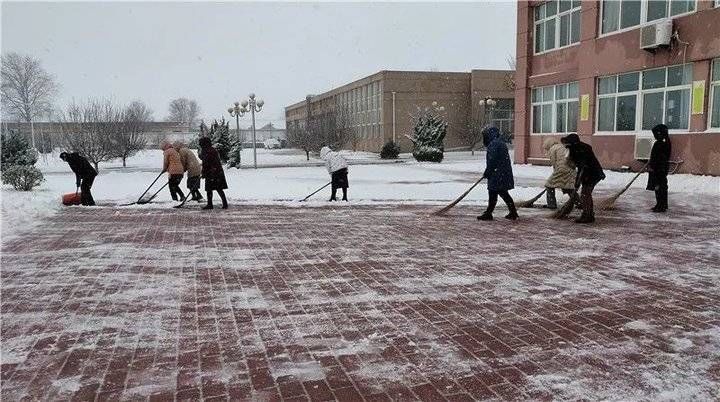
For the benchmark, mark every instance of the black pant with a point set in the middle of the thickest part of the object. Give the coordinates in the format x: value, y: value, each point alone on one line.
x: 493, y: 197
x: 86, y: 197
x: 174, y: 184
x: 222, y: 197
x: 661, y: 197
x: 586, y: 200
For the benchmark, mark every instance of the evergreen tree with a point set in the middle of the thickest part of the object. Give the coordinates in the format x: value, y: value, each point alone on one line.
x: 220, y: 136
x: 429, y: 133
x: 16, y: 150
x: 235, y: 152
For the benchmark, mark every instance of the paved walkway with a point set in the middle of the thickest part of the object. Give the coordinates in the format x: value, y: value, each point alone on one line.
x: 353, y: 303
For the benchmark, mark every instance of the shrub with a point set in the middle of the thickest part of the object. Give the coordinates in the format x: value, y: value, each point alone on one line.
x: 22, y: 177
x: 428, y: 154
x: 390, y: 150
x: 16, y: 150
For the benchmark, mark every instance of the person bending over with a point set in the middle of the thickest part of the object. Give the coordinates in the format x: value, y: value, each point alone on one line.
x: 337, y: 166
x: 84, y: 175
x: 590, y: 172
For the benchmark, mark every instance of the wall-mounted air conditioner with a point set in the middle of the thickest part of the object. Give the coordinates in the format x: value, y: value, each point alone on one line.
x: 643, y: 146
x: 656, y: 35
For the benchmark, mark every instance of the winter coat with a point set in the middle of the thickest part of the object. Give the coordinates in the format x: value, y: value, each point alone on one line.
x: 171, y: 162
x: 333, y: 160
x: 498, y: 167
x: 80, y: 166
x: 563, y: 175
x: 190, y: 162
x: 590, y: 172
x: 212, y: 169
x: 659, y: 157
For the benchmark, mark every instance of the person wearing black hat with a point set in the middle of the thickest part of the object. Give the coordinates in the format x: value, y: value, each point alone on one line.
x: 213, y: 173
x: 658, y: 167
x: 84, y: 175
x: 590, y: 172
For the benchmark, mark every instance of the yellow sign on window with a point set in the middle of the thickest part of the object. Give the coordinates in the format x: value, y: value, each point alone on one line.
x: 698, y: 97
x: 585, y: 107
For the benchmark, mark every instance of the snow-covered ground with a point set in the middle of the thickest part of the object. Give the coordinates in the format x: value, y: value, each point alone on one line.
x: 371, y: 181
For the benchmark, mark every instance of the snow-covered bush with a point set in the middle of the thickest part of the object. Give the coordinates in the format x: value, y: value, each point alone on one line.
x: 22, y: 177
x: 234, y: 156
x: 220, y: 136
x: 429, y: 133
x: 390, y: 150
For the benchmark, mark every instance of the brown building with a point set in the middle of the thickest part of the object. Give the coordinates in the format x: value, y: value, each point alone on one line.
x: 381, y: 105
x: 611, y: 70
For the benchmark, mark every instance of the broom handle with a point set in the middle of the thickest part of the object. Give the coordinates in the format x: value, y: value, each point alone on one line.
x: 315, y: 192
x: 150, y: 186
x: 463, y: 195
x: 635, y: 178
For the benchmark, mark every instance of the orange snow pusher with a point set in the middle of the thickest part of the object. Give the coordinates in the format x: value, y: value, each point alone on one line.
x: 71, y: 199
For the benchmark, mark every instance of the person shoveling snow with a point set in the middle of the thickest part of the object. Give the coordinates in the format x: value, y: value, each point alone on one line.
x: 337, y: 166
x: 84, y: 175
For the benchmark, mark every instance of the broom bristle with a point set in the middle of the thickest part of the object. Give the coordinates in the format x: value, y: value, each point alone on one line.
x: 564, y: 209
x: 529, y: 203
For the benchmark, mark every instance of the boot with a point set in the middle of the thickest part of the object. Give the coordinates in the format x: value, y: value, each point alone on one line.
x: 512, y: 215
x: 486, y: 216
x: 551, y: 200
x: 585, y: 219
x: 332, y: 195
x: 344, y: 194
x: 209, y: 201
x: 224, y: 200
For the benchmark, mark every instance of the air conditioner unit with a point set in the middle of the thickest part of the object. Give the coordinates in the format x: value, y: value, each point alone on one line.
x: 643, y: 146
x: 656, y: 35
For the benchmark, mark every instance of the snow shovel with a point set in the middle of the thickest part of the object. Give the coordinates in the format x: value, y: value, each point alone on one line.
x: 71, y: 198
x: 144, y: 192
x: 184, y: 200
x: 609, y: 203
x: 314, y: 192
x: 529, y: 203
x: 452, y: 204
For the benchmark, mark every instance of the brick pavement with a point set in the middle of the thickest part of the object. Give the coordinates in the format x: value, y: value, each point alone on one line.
x: 362, y: 302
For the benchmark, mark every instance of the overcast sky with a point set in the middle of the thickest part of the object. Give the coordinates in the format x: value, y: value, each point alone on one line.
x: 218, y: 53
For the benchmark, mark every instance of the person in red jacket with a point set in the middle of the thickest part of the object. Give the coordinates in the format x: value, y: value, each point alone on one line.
x: 213, y: 173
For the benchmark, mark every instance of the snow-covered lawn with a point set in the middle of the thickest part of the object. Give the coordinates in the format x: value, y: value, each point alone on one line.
x: 371, y: 181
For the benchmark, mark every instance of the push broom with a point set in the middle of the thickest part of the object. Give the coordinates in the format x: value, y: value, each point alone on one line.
x: 452, y: 204
x: 609, y: 203
x: 314, y: 192
x: 529, y: 203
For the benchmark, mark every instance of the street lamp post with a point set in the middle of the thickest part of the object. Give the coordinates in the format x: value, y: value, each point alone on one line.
x: 238, y: 112
x: 487, y: 104
x: 254, y: 106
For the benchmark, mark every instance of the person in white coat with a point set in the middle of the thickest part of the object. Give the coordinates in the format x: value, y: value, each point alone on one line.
x: 337, y: 166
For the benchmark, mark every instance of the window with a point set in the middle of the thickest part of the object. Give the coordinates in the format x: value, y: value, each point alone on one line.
x: 640, y: 100
x: 715, y: 94
x: 622, y: 14
x: 557, y: 24
x: 555, y: 108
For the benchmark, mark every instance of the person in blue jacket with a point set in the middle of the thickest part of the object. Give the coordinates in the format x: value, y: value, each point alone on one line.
x: 498, y: 172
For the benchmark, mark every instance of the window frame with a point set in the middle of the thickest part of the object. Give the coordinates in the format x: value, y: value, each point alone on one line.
x: 557, y: 18
x: 554, y: 102
x: 639, y: 102
x: 714, y: 86
x: 643, y: 17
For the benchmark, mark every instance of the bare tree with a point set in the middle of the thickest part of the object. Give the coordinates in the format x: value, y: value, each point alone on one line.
x: 471, y: 134
x: 131, y: 137
x: 27, y: 90
x: 333, y: 128
x: 184, y: 110
x: 91, y: 129
x: 509, y: 79
x: 303, y: 136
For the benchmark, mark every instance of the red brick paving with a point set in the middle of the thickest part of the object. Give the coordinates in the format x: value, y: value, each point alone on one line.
x: 361, y: 303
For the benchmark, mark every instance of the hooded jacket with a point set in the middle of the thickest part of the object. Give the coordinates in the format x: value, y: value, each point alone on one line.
x: 80, y: 166
x: 659, y: 157
x: 190, y: 162
x: 590, y: 172
x: 498, y: 167
x: 563, y: 175
x: 333, y: 160
x: 171, y: 161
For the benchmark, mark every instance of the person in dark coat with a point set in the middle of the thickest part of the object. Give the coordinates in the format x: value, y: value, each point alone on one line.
x: 213, y: 173
x: 498, y: 172
x: 658, y: 167
x: 84, y: 175
x: 590, y: 172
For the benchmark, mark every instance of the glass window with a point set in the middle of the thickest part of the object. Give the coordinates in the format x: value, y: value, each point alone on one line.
x: 715, y: 92
x: 561, y: 118
x: 652, y: 110
x: 548, y: 93
x: 606, y: 114
x: 547, y: 118
x: 630, y: 15
x: 572, y: 119
x: 554, y: 108
x: 628, y: 82
x: 557, y: 24
x: 607, y: 85
x: 622, y: 14
x: 626, y: 113
x: 573, y: 91
x: 679, y: 75
x: 677, y: 109
x: 654, y: 78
